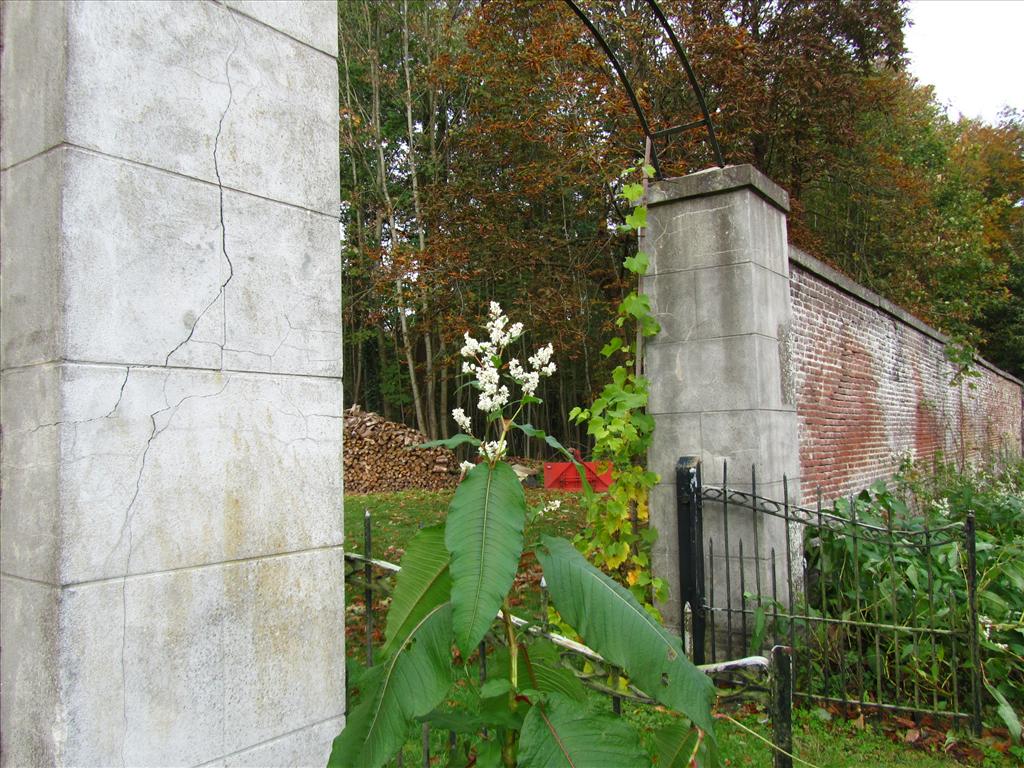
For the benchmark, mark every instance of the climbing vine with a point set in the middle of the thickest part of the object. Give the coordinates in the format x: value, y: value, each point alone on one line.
x: 618, y: 538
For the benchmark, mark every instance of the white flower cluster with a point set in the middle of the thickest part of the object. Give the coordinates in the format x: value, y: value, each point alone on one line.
x: 462, y: 420
x: 541, y: 360
x: 493, y: 394
x: 986, y: 625
x: 493, y: 450
x: 540, y: 366
x: 552, y: 506
x: 484, y: 358
x: 499, y: 337
x: 465, y: 466
x: 483, y: 362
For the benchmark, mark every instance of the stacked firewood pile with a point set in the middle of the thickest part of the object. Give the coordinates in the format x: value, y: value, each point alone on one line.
x: 380, y: 456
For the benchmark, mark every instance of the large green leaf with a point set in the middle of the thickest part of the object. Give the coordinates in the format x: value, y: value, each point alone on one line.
x: 556, y: 679
x: 560, y: 733
x: 675, y: 744
x: 540, y: 668
x: 542, y: 664
x: 422, y: 584
x: 473, y: 722
x: 613, y: 623
x: 450, y: 442
x: 1007, y: 714
x: 409, y: 684
x: 484, y: 535
x: 531, y: 431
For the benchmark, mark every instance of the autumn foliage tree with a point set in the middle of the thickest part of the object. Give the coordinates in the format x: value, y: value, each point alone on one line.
x: 479, y: 139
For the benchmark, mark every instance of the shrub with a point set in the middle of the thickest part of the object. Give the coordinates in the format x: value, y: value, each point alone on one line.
x: 922, y: 581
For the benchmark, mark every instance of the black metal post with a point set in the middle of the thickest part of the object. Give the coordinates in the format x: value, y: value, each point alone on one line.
x: 368, y: 593
x: 972, y: 605
x: 691, y: 552
x: 694, y: 85
x: 782, y: 705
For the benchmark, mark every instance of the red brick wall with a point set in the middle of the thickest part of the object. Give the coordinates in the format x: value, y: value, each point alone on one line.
x: 872, y: 385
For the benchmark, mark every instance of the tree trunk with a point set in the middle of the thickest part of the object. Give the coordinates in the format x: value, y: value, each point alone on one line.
x: 392, y: 228
x: 426, y: 417
x: 442, y: 414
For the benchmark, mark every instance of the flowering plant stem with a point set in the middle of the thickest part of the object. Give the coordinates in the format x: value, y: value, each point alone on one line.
x: 455, y: 581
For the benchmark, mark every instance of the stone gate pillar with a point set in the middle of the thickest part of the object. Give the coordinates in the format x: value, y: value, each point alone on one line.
x: 171, y: 513
x: 719, y: 285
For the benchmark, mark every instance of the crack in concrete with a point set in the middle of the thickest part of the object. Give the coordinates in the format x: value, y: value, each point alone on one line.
x: 163, y: 418
x: 76, y: 422
x: 154, y: 431
x: 223, y: 230
x: 307, y: 350
x: 120, y: 392
x: 126, y: 529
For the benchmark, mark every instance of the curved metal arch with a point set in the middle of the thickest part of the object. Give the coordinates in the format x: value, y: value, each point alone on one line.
x: 628, y: 86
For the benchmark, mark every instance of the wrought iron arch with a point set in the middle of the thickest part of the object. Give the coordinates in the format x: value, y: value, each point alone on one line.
x: 645, y: 125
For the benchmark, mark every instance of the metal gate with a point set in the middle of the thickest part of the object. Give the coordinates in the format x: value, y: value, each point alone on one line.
x: 856, y: 596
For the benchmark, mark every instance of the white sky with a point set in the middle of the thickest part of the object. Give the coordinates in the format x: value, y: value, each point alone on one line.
x: 972, y: 51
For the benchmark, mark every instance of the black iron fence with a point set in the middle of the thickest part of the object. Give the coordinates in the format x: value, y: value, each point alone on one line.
x: 879, y: 609
x: 766, y: 676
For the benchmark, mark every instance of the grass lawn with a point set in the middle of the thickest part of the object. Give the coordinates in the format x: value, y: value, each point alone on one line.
x: 835, y: 743
x: 397, y: 516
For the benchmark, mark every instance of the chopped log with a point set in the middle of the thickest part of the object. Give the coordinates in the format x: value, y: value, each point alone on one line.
x: 380, y: 456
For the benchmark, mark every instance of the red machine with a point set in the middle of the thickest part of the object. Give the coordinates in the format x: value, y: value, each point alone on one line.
x: 563, y: 475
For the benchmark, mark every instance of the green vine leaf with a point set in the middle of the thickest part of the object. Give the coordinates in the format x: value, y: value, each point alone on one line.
x: 637, y: 264
x: 638, y: 218
x: 484, y: 535
x: 632, y: 192
x: 608, y: 350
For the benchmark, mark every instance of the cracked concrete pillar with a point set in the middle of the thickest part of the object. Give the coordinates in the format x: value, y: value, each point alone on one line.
x: 720, y: 386
x: 171, y: 511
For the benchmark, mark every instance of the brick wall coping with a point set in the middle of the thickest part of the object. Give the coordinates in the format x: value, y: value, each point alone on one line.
x: 836, y: 278
x: 714, y: 181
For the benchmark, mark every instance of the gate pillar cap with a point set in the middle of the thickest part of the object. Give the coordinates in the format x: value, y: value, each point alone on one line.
x: 715, y: 181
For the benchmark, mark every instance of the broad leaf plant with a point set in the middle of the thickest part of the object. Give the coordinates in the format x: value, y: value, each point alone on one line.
x: 452, y: 595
